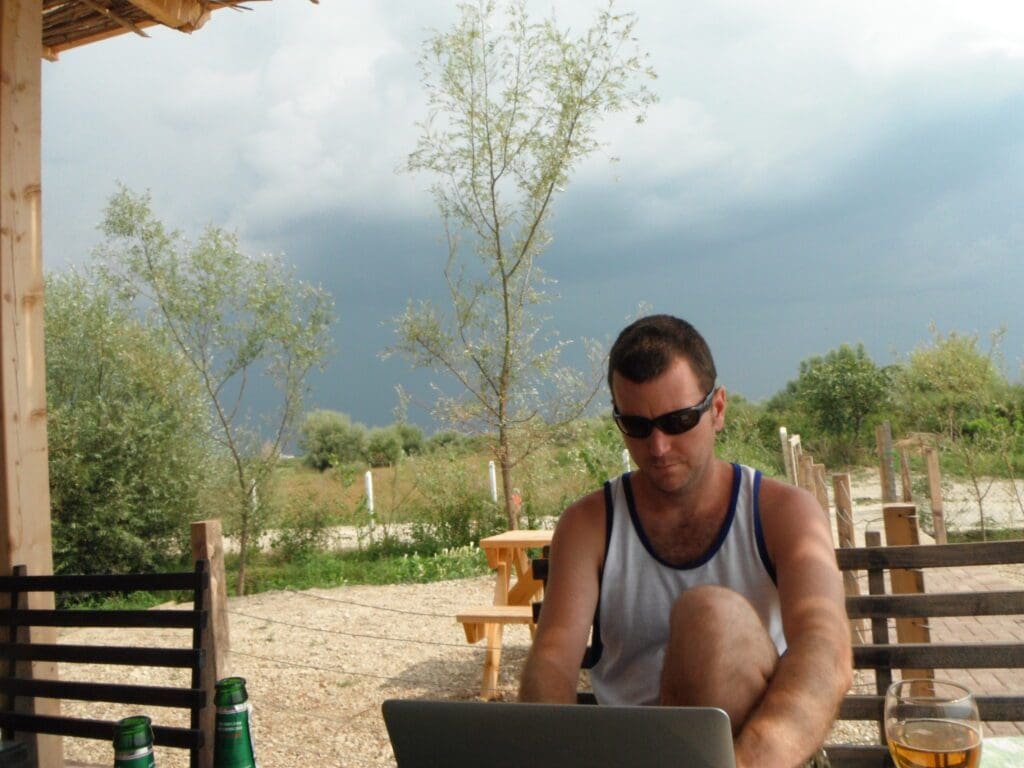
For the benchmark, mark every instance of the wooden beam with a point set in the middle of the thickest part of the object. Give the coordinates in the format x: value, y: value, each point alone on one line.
x: 186, y: 15
x: 24, y: 477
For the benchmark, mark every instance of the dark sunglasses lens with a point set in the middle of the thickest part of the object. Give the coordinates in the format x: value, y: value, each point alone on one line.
x: 635, y: 426
x: 678, y: 422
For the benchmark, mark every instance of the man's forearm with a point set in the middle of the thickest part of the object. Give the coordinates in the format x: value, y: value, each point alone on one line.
x: 545, y: 681
x: 798, y: 707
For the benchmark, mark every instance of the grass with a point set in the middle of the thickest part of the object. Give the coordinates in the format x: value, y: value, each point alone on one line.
x: 394, y: 565
x: 991, y: 534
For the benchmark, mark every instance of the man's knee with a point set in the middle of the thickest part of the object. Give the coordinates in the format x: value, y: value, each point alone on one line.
x: 719, y: 652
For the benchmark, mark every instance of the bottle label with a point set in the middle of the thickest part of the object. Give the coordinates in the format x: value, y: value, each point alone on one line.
x: 233, y: 740
x: 136, y: 758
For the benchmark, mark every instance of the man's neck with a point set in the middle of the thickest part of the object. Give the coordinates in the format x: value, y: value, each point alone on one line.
x: 704, y: 495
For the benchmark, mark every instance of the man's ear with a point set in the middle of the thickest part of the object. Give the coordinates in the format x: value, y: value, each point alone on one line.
x: 718, y: 403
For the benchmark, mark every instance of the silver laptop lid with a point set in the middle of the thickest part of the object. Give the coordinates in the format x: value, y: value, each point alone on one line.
x: 469, y: 734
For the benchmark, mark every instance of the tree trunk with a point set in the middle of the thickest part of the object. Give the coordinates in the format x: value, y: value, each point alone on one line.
x: 243, y: 548
x: 506, y: 479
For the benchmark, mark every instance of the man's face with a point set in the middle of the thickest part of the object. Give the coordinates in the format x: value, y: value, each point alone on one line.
x: 670, y: 462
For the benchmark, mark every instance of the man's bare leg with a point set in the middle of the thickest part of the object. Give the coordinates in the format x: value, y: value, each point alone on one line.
x: 719, y: 654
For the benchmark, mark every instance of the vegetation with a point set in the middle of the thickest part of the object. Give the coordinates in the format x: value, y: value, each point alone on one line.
x: 230, y: 316
x: 127, y: 434
x: 514, y: 106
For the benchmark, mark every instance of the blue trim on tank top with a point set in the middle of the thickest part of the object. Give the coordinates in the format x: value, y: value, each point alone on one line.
x: 723, y: 532
x: 762, y: 547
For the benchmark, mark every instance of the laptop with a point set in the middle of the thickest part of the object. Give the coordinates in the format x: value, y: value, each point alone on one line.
x: 473, y: 734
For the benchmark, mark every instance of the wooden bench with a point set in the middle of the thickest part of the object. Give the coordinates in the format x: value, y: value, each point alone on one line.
x: 17, y: 685
x: 487, y: 622
x: 880, y: 654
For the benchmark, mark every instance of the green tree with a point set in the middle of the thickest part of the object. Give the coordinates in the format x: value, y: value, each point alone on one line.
x: 840, y: 391
x: 514, y: 106
x: 328, y: 438
x: 954, y: 389
x: 231, y: 316
x: 127, y: 427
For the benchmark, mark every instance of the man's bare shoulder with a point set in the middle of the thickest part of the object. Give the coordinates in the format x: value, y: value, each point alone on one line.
x: 582, y: 523
x: 780, y: 498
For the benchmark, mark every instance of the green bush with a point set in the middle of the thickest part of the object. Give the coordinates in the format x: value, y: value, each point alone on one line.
x: 329, y: 438
x: 127, y: 426
x: 383, y: 447
x: 450, y: 511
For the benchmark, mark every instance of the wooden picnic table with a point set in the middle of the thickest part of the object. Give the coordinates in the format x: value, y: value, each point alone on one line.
x: 507, y: 553
x: 514, y: 590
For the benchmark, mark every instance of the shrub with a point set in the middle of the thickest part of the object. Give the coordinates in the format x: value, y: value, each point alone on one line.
x: 383, y: 447
x: 127, y: 426
x: 329, y: 438
x: 451, y: 512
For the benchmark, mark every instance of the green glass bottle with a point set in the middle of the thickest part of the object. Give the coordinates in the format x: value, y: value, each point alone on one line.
x: 233, y: 744
x: 133, y: 743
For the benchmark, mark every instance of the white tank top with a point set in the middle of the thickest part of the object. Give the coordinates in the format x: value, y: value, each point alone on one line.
x: 638, y: 589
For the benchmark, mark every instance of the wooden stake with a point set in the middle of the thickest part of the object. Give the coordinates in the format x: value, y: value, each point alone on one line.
x: 846, y: 532
x: 935, y: 494
x: 208, y: 544
x: 787, y: 455
x: 908, y: 494
x: 821, y: 492
x: 883, y: 441
x: 25, y: 537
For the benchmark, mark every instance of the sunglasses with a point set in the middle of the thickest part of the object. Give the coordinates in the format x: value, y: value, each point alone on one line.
x: 671, y: 423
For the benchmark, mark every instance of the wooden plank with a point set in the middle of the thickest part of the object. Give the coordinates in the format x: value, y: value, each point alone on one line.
x: 168, y: 619
x: 163, y: 736
x: 932, y: 555
x: 883, y: 445
x: 509, y: 614
x: 859, y: 756
x: 901, y: 530
x: 905, y: 486
x: 991, y: 708
x: 787, y: 455
x: 944, y: 604
x: 147, y: 695
x: 121, y: 582
x: 25, y: 535
x: 179, y: 658
x: 944, y: 656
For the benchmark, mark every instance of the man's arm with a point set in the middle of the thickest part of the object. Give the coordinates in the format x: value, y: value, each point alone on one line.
x: 552, y: 669
x: 802, y: 698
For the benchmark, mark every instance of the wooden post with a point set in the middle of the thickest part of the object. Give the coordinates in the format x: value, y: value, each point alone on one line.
x: 805, y: 472
x: 845, y: 530
x: 908, y: 492
x: 901, y: 529
x: 24, y: 479
x: 208, y: 544
x: 821, y: 492
x: 787, y: 455
x: 794, y: 457
x: 883, y: 441
x: 935, y: 494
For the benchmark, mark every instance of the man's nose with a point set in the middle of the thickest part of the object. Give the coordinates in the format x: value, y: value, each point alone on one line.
x: 658, y: 442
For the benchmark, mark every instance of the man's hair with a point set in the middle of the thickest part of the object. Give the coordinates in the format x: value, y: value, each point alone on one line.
x: 647, y: 347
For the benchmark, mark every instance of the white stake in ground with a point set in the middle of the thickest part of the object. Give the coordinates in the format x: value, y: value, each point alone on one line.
x: 494, y: 481
x: 368, y: 482
x: 625, y: 459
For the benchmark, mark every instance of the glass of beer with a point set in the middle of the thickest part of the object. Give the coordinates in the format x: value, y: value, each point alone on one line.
x: 932, y: 724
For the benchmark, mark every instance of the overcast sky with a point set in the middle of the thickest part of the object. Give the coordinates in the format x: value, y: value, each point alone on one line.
x: 815, y: 173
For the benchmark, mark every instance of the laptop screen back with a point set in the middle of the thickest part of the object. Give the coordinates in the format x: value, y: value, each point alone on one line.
x: 466, y: 734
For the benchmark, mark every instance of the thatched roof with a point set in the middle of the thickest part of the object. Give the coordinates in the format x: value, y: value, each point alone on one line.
x: 70, y: 23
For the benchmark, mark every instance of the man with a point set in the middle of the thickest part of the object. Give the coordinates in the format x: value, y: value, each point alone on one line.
x: 706, y: 583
